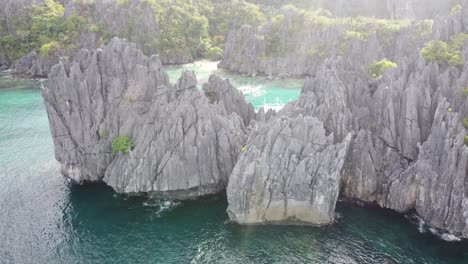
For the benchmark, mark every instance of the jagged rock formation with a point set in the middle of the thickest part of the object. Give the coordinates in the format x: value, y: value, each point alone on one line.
x: 184, y: 146
x: 296, y: 46
x: 397, y: 141
x: 35, y: 65
x: 221, y: 91
x: 118, y: 19
x: 12, y: 10
x: 407, y: 152
x: 4, y: 63
x: 290, y: 172
x: 392, y: 9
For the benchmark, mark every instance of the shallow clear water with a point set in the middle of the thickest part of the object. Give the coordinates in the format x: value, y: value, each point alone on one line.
x: 43, y: 219
x: 257, y: 90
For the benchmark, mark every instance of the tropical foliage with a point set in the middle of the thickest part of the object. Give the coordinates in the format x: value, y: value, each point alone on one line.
x: 195, y: 27
x: 122, y: 144
x: 444, y: 53
x: 378, y: 68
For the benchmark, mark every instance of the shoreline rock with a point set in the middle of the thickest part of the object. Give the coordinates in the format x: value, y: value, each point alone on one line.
x: 185, y: 147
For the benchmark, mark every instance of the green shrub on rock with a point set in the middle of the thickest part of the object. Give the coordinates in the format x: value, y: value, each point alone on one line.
x: 214, y: 53
x: 455, y: 9
x: 355, y: 34
x: 122, y: 144
x: 442, y: 52
x: 456, y: 61
x: 436, y: 51
x: 49, y: 48
x: 94, y: 28
x: 466, y: 140
x: 378, y: 68
x: 464, y: 92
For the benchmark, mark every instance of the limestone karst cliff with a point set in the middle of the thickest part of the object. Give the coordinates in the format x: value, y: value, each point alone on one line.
x: 184, y: 145
x: 157, y: 27
x: 296, y: 42
x: 407, y: 150
x: 290, y: 172
x: 397, y: 140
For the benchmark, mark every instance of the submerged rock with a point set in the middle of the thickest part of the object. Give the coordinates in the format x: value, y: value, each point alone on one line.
x: 184, y: 146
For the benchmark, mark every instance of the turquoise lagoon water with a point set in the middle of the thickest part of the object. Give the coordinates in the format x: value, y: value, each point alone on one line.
x: 44, y: 219
x: 257, y: 90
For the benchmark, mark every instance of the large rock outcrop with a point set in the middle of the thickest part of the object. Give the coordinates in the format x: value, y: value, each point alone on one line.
x: 35, y: 65
x: 407, y: 151
x: 289, y: 173
x: 184, y: 146
x: 135, y: 19
x: 393, y: 9
x: 292, y: 44
x: 220, y: 90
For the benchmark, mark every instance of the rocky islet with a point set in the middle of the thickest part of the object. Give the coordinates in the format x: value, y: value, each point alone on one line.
x: 397, y: 141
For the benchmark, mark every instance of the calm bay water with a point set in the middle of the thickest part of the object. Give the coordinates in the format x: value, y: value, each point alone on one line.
x: 257, y: 90
x: 44, y: 219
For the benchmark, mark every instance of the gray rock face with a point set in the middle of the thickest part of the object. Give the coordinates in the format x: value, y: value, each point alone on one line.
x: 135, y: 19
x: 184, y: 146
x: 221, y: 91
x: 290, y: 173
x: 406, y: 153
x: 13, y: 10
x: 394, y: 9
x: 4, y: 63
x: 118, y: 19
x: 295, y: 46
x: 35, y: 65
x: 439, y: 175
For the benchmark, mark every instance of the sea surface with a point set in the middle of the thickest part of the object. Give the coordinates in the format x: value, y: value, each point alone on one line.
x: 257, y: 90
x: 45, y: 219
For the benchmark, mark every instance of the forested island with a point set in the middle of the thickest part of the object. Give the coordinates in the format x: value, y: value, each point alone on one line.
x: 382, y: 118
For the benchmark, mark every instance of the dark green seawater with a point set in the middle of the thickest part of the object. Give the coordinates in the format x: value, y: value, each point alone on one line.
x: 44, y: 219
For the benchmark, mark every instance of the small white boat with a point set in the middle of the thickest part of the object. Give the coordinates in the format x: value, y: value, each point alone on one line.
x: 253, y: 90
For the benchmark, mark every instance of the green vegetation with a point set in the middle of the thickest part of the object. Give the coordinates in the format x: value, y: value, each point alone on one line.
x: 104, y: 133
x: 319, y: 51
x: 49, y: 48
x: 465, y: 122
x: 195, y: 28
x: 354, y: 34
x: 192, y: 28
x: 130, y: 99
x: 44, y: 30
x: 378, y: 68
x: 214, y: 53
x: 290, y: 23
x: 243, y: 149
x: 455, y: 9
x: 466, y: 140
x: 122, y: 144
x: 444, y: 53
x: 94, y: 28
x: 464, y: 92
